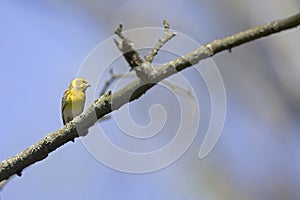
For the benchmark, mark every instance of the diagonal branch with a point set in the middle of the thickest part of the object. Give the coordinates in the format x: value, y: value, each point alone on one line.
x: 113, y: 77
x: 110, y: 102
x: 161, y: 42
x: 126, y: 46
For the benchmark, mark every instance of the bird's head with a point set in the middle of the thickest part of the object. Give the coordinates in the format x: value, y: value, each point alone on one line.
x: 80, y: 84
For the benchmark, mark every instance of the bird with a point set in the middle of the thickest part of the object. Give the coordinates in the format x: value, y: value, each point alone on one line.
x: 73, y: 100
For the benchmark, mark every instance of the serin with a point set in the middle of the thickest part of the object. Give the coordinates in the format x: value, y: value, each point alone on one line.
x: 73, y: 100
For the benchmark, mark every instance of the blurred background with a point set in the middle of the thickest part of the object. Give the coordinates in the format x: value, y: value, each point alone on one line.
x: 43, y: 44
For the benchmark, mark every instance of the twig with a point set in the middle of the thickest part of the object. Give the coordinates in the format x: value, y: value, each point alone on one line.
x: 107, y: 103
x: 176, y: 88
x: 113, y: 78
x: 108, y: 82
x: 126, y: 47
x: 179, y: 90
x: 161, y: 42
x: 185, y: 93
x: 142, y: 68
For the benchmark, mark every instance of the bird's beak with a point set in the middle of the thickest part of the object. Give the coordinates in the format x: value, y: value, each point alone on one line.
x: 88, y: 85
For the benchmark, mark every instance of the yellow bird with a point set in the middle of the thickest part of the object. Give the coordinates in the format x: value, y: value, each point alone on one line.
x: 73, y: 100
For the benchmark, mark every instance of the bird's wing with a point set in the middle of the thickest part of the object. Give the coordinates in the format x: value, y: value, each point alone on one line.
x: 65, y: 101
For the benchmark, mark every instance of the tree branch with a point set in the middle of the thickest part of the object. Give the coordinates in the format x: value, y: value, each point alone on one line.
x: 126, y: 46
x: 161, y: 42
x: 106, y: 85
x: 110, y: 102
